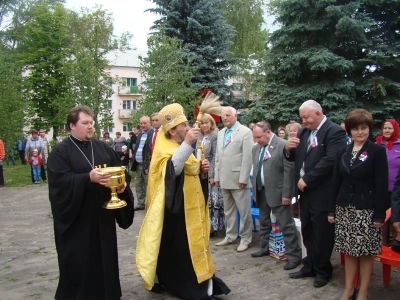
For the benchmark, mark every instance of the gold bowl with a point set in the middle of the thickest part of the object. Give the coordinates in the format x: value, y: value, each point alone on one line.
x: 117, y: 179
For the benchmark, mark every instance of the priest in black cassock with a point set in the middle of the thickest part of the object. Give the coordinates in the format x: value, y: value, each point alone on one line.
x: 85, y: 232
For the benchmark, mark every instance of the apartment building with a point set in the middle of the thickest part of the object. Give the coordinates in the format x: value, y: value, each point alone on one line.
x: 125, y: 68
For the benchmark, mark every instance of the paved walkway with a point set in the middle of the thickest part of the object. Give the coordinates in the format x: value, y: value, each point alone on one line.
x: 29, y: 270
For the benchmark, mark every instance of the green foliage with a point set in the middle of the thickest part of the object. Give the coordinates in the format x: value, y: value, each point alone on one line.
x: 89, y: 79
x: 11, y: 104
x: 205, y: 35
x: 167, y: 71
x: 43, y: 51
x: 247, y: 17
x: 339, y: 59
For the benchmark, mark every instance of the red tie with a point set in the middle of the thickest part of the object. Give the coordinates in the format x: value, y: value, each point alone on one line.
x: 154, y: 141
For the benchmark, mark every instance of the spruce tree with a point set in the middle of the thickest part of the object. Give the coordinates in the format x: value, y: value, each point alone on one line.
x: 318, y: 53
x: 200, y: 27
x: 382, y: 79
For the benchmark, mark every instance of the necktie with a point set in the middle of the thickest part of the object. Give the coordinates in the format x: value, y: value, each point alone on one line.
x: 227, y: 138
x: 260, y: 161
x: 154, y: 140
x: 311, y: 141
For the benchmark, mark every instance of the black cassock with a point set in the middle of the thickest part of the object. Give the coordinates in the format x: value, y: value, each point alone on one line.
x: 175, y: 269
x: 85, y: 232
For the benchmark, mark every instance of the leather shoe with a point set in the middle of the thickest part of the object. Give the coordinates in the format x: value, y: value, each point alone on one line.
x: 260, y: 253
x: 300, y: 274
x: 290, y: 265
x: 320, y: 282
x: 138, y: 208
x: 224, y: 242
x: 242, y: 247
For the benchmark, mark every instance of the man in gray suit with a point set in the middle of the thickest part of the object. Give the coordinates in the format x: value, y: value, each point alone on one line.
x: 273, y: 187
x: 232, y: 174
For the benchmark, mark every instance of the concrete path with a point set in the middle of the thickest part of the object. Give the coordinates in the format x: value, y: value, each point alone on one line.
x: 29, y: 270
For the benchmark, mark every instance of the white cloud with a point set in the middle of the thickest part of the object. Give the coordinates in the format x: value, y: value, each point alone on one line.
x: 128, y: 16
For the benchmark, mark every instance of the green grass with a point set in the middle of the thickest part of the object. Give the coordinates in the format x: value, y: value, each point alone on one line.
x: 18, y: 175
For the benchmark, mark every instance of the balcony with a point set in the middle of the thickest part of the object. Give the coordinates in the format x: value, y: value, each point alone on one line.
x: 128, y: 90
x: 126, y: 113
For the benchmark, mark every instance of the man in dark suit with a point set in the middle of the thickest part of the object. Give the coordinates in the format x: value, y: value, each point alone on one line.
x: 140, y: 161
x: 273, y: 185
x: 313, y: 151
x: 396, y: 203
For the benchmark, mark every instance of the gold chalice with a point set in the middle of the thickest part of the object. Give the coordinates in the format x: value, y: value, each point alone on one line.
x: 117, y: 179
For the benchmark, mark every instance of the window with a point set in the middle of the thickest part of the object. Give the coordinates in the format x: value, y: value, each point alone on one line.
x: 129, y: 104
x: 108, y: 129
x: 131, y: 81
x: 127, y: 127
x: 109, y: 104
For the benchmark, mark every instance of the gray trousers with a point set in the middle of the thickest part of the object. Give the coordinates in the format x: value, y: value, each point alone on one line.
x: 237, y: 200
x: 141, y: 186
x: 283, y: 214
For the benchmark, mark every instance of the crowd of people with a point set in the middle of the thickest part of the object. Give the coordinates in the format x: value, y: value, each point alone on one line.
x: 343, y: 180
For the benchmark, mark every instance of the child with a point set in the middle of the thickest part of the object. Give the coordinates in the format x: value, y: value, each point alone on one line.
x: 125, y: 162
x: 36, y: 161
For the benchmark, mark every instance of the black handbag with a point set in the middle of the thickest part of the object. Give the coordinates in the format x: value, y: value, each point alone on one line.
x: 396, y: 245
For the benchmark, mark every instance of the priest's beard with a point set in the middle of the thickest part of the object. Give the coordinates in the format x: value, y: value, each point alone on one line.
x: 180, y: 138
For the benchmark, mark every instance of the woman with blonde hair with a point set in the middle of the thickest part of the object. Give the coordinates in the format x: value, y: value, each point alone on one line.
x: 208, y: 137
x: 292, y: 129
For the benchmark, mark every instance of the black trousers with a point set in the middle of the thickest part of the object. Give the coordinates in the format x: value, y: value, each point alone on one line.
x: 22, y: 156
x: 318, y: 238
x: 1, y: 176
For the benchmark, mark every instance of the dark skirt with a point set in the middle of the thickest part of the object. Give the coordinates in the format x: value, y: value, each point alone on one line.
x: 354, y: 232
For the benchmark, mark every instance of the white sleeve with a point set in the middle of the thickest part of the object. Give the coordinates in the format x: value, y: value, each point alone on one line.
x: 180, y: 157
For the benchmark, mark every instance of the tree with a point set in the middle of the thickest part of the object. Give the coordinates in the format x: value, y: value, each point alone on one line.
x: 201, y: 29
x: 43, y: 51
x: 247, y: 17
x: 90, y: 81
x: 321, y: 60
x: 167, y: 71
x: 382, y: 76
x: 11, y: 104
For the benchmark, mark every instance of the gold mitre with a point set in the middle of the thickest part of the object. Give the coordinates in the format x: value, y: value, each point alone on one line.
x: 171, y: 115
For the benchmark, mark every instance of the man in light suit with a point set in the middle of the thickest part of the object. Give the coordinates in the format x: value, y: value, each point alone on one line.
x: 232, y: 174
x: 273, y: 187
x: 314, y: 152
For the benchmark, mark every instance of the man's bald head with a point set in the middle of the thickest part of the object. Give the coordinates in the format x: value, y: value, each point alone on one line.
x: 229, y: 116
x: 145, y: 123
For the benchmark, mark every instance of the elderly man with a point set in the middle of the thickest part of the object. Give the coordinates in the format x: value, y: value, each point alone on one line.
x: 173, y: 242
x: 273, y: 185
x: 232, y: 174
x: 314, y: 151
x: 85, y: 232
x: 142, y: 147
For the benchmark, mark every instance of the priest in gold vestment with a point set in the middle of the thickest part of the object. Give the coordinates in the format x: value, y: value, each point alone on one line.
x: 173, y: 243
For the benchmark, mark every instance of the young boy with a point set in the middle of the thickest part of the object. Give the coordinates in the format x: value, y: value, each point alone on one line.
x: 36, y: 161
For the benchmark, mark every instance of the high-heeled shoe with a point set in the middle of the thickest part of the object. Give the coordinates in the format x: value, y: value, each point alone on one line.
x: 354, y: 296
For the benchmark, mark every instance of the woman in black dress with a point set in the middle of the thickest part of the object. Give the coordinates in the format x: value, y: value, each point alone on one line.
x: 360, y: 181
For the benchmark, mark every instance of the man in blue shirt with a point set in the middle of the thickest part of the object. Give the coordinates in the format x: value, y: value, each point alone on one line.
x: 141, y: 147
